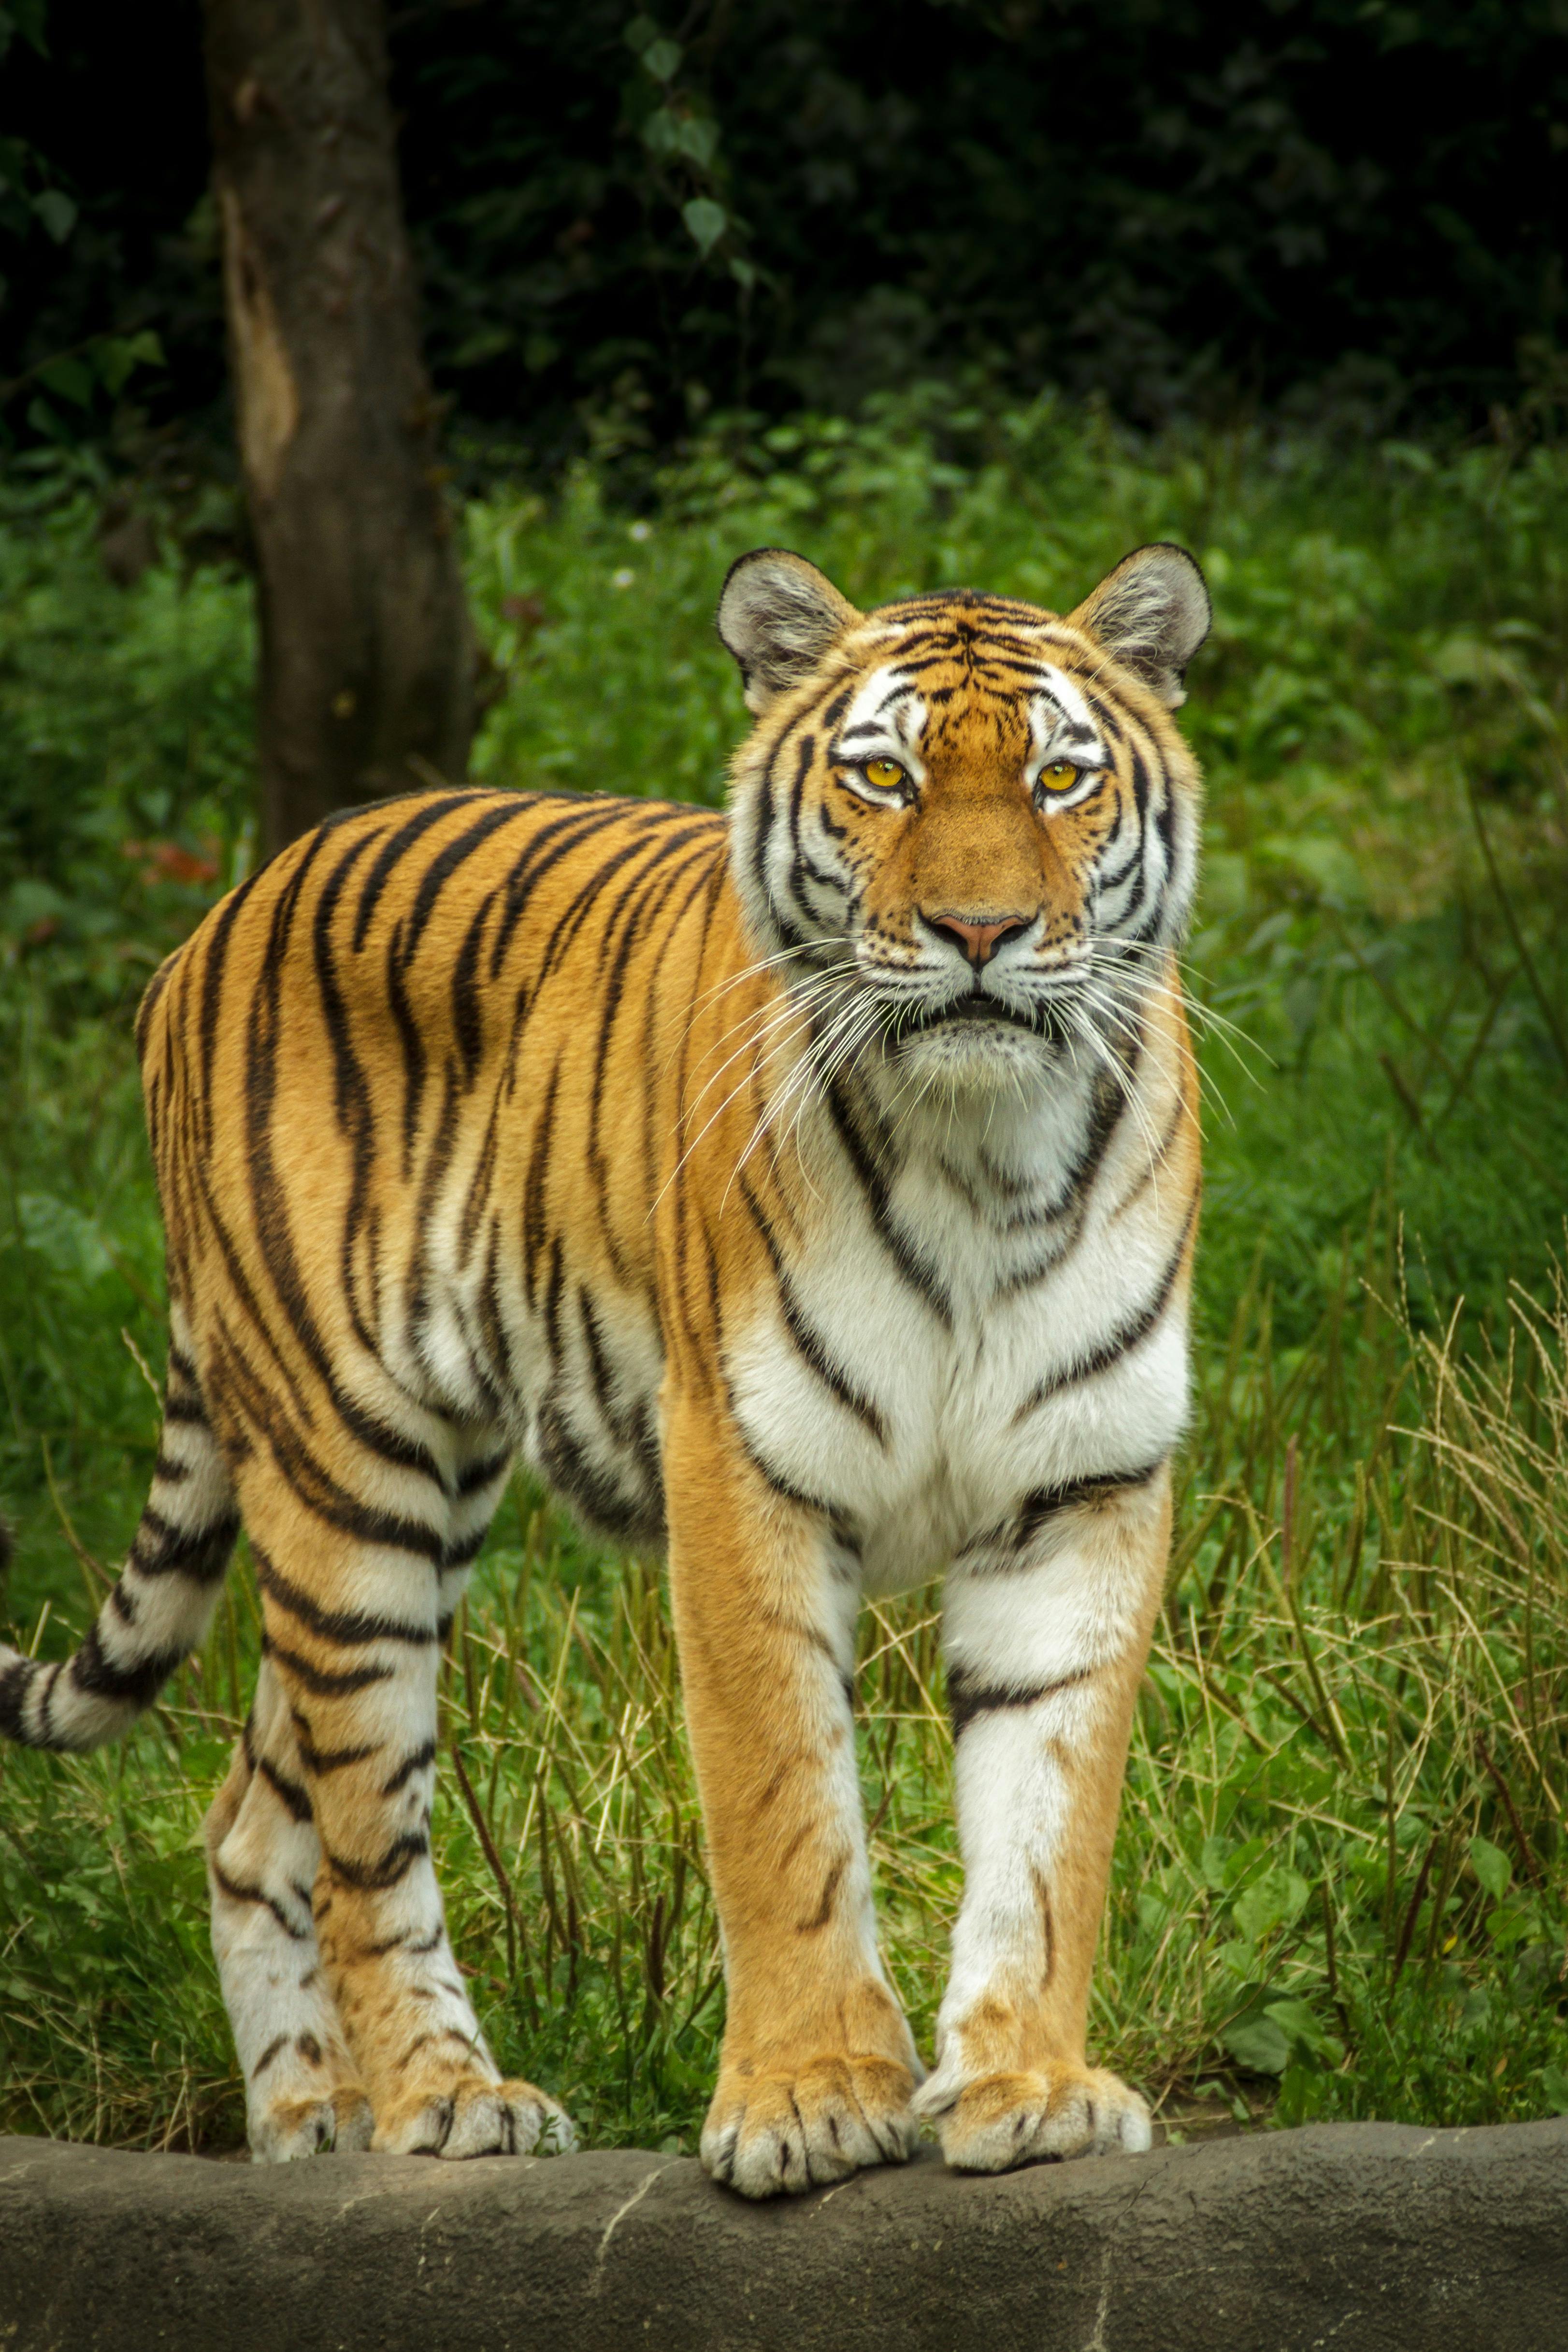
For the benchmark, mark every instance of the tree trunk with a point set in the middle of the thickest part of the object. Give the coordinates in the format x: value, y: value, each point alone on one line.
x: 366, y: 683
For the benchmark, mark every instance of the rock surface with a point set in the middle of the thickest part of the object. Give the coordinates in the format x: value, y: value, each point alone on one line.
x: 1364, y: 2237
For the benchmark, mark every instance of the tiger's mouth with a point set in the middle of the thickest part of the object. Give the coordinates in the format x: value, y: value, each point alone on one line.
x: 982, y: 1010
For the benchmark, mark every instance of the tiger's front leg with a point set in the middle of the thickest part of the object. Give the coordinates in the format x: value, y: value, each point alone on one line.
x: 1046, y: 1635
x: 818, y: 2067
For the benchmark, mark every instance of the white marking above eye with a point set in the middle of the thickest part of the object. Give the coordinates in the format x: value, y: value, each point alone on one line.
x: 884, y: 722
x: 1063, y: 727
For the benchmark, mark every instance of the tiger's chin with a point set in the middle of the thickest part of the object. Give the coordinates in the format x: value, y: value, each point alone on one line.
x: 978, y: 1057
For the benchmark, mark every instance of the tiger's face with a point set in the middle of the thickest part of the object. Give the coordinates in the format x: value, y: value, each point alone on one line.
x: 964, y: 827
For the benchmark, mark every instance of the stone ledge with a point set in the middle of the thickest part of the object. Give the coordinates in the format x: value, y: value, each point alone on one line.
x: 1366, y: 2237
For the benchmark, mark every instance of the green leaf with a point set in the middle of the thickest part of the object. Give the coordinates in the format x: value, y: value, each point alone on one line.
x: 57, y: 212
x: 68, y: 379
x: 641, y: 34
x: 1555, y: 2089
x: 119, y: 357
x: 662, y: 134
x: 1257, y: 2043
x: 1492, y: 1867
x: 660, y: 58
x: 42, y: 419
x: 1299, y: 2021
x: 1510, y: 1924
x: 1276, y: 1899
x: 706, y: 223
x: 697, y: 139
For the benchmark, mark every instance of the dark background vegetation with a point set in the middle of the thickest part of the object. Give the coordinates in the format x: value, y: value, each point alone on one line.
x: 1349, y: 206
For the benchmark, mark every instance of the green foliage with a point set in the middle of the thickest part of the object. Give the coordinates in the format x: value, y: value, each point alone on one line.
x: 658, y: 213
x: 1340, y: 1887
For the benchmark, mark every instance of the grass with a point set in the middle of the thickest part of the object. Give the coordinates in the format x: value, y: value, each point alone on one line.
x: 1341, y: 1885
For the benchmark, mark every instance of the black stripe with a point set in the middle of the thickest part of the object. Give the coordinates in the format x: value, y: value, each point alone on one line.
x: 316, y: 1678
x: 1125, y: 1338
x: 808, y: 752
x: 808, y: 1341
x: 292, y: 1794
x: 238, y: 1892
x: 93, y: 1671
x: 313, y: 1486
x: 352, y: 1093
x: 1157, y: 1158
x: 212, y: 972
x: 640, y: 906
x: 465, y: 1548
x: 1148, y: 897
x: 467, y: 999
x: 394, y: 849
x: 327, y: 1760
x: 556, y: 840
x: 785, y: 1488
x: 565, y: 929
x: 479, y: 1474
x: 1045, y: 1502
x: 447, y: 860
x: 148, y: 1004
x: 267, y: 2057
x: 412, y: 1043
x: 269, y: 1206
x: 199, y: 1553
x: 968, y: 1698
x: 374, y: 1877
x: 332, y: 1624
x: 536, y: 1181
x: 920, y: 1277
x: 411, y: 1764
x: 598, y: 1493
x: 16, y: 1682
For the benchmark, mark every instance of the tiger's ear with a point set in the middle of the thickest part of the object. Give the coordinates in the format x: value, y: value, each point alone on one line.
x: 1151, y: 614
x: 778, y: 615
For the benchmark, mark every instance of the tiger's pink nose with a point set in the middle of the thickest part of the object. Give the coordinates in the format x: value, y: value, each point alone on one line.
x: 976, y: 939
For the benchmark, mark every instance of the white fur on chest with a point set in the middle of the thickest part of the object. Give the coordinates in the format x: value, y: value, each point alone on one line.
x: 926, y: 1429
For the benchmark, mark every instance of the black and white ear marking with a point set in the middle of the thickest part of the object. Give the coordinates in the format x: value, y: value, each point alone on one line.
x: 1151, y: 614
x: 778, y: 615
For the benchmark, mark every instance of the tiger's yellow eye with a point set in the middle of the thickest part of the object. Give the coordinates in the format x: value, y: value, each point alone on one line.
x: 883, y: 775
x: 1059, y: 775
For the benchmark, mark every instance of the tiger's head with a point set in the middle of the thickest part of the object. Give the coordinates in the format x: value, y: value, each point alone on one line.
x: 963, y: 828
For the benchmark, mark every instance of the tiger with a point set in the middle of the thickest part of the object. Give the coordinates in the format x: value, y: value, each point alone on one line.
x: 808, y: 1186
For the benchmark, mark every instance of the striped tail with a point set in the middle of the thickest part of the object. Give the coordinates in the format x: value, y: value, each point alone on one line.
x: 161, y: 1605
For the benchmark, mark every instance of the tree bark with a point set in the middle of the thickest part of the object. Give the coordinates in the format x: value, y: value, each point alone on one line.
x: 366, y: 663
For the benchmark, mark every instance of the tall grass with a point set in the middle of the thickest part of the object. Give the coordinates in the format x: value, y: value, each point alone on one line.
x: 1340, y: 1885
x: 1340, y: 1878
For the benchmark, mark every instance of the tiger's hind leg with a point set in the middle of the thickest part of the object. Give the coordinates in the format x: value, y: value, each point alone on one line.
x: 303, y: 2096
x: 355, y: 1608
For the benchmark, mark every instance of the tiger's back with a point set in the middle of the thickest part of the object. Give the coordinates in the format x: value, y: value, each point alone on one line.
x: 452, y: 1024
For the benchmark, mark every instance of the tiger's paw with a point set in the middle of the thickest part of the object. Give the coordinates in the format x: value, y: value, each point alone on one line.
x: 996, y: 2121
x: 474, y: 2116
x: 775, y: 2134
x: 340, y: 2122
